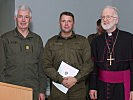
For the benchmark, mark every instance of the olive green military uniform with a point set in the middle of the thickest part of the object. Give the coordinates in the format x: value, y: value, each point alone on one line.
x: 1, y: 61
x: 22, y: 61
x: 75, y: 51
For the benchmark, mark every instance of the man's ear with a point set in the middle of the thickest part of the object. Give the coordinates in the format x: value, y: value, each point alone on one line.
x: 116, y: 20
x: 15, y: 18
x: 30, y: 19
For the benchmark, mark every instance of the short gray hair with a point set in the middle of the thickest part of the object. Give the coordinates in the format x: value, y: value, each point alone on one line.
x: 115, y: 10
x: 23, y: 7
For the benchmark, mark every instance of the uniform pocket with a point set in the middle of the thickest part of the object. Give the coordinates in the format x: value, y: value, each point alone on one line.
x: 14, y: 48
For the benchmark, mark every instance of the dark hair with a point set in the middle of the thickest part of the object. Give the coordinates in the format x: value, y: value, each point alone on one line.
x: 98, y: 22
x: 68, y: 14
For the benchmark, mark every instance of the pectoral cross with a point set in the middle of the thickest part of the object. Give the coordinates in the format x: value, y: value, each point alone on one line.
x: 110, y: 59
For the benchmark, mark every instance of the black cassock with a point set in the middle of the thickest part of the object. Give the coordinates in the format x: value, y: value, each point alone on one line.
x: 120, y: 44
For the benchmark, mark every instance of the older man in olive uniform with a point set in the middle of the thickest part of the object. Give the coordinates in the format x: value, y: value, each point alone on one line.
x: 21, y: 54
x: 74, y: 50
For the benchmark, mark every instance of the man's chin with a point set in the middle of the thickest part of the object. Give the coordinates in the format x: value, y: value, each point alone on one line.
x: 23, y: 28
x: 106, y: 27
x: 64, y: 31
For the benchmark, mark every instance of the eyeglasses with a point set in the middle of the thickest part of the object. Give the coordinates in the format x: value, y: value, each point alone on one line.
x: 107, y: 17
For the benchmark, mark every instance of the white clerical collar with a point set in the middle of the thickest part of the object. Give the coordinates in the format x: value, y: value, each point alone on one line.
x: 109, y: 34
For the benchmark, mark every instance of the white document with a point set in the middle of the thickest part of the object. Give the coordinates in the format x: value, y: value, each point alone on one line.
x: 65, y: 70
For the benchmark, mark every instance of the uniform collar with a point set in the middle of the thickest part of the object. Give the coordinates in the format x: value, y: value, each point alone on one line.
x: 72, y: 36
x: 18, y: 34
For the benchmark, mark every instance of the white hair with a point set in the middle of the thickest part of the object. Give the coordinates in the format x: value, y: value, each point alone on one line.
x: 115, y: 10
x: 23, y: 7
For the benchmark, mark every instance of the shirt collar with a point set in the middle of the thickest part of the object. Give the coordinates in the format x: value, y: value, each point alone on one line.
x: 18, y: 34
x: 72, y: 36
x: 113, y: 33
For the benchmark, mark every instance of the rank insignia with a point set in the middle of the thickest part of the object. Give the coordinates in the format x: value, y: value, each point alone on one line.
x: 27, y: 47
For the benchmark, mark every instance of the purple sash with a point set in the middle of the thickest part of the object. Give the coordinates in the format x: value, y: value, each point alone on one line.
x: 117, y: 77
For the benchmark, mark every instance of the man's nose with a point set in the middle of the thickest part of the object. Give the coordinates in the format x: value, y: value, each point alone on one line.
x: 23, y: 18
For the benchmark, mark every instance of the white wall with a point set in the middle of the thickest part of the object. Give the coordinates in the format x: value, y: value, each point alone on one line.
x: 46, y: 14
x: 6, y: 15
x: 125, y: 8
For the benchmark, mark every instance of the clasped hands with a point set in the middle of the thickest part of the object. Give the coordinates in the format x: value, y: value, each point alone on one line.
x: 69, y: 81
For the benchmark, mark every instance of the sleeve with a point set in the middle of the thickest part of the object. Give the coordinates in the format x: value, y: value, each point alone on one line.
x: 41, y: 74
x: 90, y: 38
x: 131, y: 66
x: 131, y: 76
x: 2, y: 60
x: 87, y: 65
x: 48, y: 65
x: 93, y: 74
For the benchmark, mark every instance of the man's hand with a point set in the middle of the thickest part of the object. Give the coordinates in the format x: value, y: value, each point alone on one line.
x: 93, y: 94
x: 131, y: 95
x: 69, y: 81
x: 41, y: 96
x: 64, y: 82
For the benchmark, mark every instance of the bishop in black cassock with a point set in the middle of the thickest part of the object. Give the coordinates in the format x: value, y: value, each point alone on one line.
x: 112, y: 54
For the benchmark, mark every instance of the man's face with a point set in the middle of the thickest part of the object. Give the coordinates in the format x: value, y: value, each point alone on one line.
x: 23, y: 19
x: 66, y: 24
x: 108, y: 20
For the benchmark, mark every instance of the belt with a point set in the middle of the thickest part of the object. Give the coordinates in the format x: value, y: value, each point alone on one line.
x: 117, y: 77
